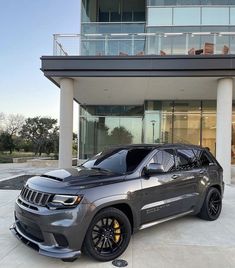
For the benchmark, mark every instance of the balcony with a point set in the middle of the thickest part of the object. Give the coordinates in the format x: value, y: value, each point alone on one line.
x: 139, y: 44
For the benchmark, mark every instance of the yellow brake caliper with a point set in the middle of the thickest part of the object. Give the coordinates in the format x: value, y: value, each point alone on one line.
x: 117, y: 231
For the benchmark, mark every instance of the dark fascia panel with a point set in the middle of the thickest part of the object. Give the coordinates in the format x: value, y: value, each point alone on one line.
x: 139, y: 66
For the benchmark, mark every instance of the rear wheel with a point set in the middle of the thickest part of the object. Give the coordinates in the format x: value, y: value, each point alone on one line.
x: 108, y: 235
x: 212, y: 205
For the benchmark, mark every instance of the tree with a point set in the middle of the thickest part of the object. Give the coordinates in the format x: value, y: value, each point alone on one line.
x: 119, y: 135
x: 40, y: 131
x: 14, y: 123
x: 52, y: 143
x: 6, y: 142
x: 2, y: 117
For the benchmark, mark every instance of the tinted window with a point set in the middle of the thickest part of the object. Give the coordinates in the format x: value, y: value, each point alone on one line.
x: 166, y: 158
x: 118, y: 160
x: 204, y: 159
x: 186, y: 159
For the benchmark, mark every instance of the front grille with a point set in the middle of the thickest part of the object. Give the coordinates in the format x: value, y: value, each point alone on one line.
x: 35, y: 197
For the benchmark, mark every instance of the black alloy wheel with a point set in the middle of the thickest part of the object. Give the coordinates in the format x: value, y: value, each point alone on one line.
x: 212, y: 205
x: 108, y: 235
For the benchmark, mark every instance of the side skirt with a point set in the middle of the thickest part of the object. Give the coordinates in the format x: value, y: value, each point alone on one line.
x: 150, y: 224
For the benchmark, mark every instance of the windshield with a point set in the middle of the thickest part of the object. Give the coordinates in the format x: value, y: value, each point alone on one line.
x: 121, y: 160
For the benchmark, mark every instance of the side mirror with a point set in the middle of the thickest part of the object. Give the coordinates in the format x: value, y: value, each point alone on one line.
x: 153, y: 168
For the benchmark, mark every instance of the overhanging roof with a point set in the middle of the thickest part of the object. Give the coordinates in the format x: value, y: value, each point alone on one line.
x: 129, y: 80
x: 139, y: 66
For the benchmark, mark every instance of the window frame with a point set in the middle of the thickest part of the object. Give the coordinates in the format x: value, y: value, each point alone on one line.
x: 189, y: 168
x: 163, y: 149
x: 204, y: 151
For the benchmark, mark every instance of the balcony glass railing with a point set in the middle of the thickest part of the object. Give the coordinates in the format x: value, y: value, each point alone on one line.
x: 124, y: 44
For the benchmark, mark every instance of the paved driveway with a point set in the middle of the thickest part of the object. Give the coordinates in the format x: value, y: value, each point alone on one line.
x: 186, y: 242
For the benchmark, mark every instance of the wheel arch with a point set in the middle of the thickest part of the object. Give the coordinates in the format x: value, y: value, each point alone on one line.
x: 123, y: 206
x: 217, y: 186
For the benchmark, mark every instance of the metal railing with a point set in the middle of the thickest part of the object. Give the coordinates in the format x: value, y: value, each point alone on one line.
x: 124, y: 44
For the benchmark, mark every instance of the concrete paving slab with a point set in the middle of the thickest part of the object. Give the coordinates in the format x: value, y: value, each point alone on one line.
x: 18, y: 169
x: 187, y: 242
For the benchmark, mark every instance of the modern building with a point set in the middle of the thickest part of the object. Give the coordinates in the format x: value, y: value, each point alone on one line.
x: 147, y: 72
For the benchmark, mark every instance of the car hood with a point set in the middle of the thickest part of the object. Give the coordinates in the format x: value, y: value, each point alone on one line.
x: 72, y: 179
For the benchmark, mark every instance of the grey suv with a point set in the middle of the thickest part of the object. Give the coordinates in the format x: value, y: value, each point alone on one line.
x: 95, y: 207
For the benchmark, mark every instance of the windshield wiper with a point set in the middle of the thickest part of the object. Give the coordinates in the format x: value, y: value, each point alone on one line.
x: 104, y: 169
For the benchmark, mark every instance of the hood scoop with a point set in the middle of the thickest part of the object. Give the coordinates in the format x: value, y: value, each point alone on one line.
x: 59, y: 175
x: 51, y: 177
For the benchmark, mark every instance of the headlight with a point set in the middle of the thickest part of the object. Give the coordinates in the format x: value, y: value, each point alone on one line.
x: 64, y: 201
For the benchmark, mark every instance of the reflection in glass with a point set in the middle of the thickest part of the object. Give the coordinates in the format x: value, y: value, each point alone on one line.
x: 187, y: 128
x: 187, y: 106
x: 209, y: 131
x: 98, y: 133
x: 157, y: 127
x: 192, y: 122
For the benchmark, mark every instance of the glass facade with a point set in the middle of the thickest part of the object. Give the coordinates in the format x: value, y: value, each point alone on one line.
x: 192, y: 122
x: 154, y: 27
x: 188, y: 16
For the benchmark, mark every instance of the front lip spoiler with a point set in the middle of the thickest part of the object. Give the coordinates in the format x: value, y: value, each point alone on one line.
x: 50, y: 251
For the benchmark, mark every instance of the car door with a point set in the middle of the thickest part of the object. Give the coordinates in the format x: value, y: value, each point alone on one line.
x: 168, y: 193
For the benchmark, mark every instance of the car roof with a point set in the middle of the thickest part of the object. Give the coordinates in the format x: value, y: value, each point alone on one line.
x: 158, y: 145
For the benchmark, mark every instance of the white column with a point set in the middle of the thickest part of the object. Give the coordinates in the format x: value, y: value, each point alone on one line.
x: 66, y: 122
x: 78, y: 145
x: 223, y: 125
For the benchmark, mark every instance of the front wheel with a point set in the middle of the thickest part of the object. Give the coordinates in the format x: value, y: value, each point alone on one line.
x: 212, y: 205
x: 108, y: 235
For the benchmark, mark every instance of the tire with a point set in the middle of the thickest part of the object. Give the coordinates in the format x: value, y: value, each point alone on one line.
x: 108, y: 235
x: 212, y: 205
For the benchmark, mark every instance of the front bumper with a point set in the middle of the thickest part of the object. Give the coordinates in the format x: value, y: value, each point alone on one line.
x: 54, y: 233
x: 50, y: 251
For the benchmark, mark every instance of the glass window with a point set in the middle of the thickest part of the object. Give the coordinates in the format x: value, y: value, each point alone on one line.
x: 186, y: 16
x: 191, y: 2
x: 187, y: 106
x: 233, y: 140
x: 118, y: 160
x: 157, y: 127
x: 209, y: 131
x: 187, y: 128
x: 89, y: 8
x: 98, y: 133
x: 164, y: 106
x: 232, y: 15
x: 215, y: 16
x: 166, y: 158
x: 159, y: 16
x: 186, y: 159
x: 209, y: 106
x: 204, y: 159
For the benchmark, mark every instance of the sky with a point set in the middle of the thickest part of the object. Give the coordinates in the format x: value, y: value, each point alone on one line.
x: 26, y: 34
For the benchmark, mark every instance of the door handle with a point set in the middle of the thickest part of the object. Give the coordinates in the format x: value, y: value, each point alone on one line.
x: 175, y: 176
